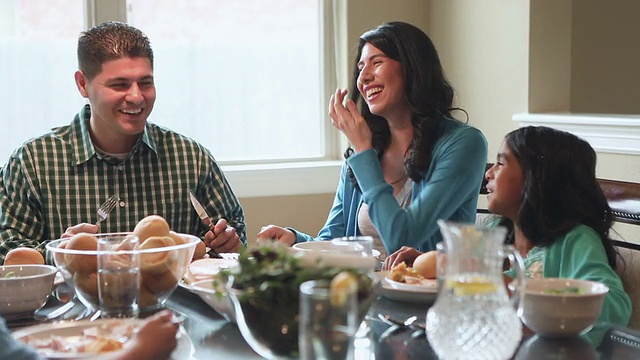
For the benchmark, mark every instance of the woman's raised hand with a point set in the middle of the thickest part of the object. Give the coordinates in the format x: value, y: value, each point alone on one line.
x: 348, y: 120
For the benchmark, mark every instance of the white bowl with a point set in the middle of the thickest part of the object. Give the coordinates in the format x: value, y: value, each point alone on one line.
x: 552, y: 308
x: 328, y: 246
x: 220, y: 303
x: 25, y: 288
x: 320, y: 259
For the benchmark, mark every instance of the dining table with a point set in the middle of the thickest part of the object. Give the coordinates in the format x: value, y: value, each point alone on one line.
x: 214, y: 337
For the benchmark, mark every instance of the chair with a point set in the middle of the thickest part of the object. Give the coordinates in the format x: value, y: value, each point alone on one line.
x: 624, y: 200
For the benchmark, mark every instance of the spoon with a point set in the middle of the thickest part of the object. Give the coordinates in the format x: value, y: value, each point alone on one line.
x: 411, y: 322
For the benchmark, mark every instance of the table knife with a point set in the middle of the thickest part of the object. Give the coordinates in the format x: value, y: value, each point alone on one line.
x: 206, y: 219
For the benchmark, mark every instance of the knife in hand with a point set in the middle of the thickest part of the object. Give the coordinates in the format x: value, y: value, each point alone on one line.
x: 206, y: 219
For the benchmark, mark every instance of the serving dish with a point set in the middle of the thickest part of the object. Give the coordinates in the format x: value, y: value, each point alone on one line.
x: 205, y: 290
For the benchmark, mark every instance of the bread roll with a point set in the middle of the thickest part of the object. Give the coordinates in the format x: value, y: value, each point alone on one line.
x: 23, y: 256
x: 157, y: 262
x: 85, y: 264
x: 426, y: 264
x: 152, y: 225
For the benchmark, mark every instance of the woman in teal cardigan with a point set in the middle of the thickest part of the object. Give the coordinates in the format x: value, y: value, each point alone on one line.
x: 410, y: 162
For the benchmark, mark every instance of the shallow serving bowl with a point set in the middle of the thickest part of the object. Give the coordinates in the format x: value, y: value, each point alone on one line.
x: 25, y: 288
x: 219, y: 301
x: 157, y: 284
x: 554, y: 307
x: 267, y: 310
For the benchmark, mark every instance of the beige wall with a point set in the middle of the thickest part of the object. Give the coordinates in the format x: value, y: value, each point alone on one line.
x: 306, y: 213
x: 503, y: 57
x: 483, y: 46
x: 605, y: 57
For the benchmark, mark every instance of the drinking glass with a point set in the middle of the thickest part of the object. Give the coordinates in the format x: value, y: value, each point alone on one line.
x: 118, y: 275
x: 328, y: 322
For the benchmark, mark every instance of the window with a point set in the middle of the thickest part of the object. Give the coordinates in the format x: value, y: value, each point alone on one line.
x: 37, y: 61
x: 241, y: 77
x: 244, y: 78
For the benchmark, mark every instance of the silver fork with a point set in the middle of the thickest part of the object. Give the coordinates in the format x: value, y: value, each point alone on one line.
x: 106, y: 208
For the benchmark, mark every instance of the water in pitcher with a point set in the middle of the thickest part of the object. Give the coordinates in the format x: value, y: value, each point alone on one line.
x: 473, y: 317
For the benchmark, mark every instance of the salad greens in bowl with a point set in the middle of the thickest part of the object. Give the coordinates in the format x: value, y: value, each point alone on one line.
x: 264, y: 290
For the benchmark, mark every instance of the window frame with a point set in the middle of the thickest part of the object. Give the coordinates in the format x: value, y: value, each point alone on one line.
x: 279, y: 178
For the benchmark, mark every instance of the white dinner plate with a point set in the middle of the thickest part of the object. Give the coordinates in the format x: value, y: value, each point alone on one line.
x: 74, y: 329
x: 325, y: 246
x: 425, y: 293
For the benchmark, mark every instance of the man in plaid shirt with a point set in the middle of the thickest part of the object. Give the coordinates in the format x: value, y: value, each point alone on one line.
x: 52, y: 185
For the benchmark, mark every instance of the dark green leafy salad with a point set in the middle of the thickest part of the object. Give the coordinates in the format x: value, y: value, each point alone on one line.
x: 271, y: 274
x: 266, y: 285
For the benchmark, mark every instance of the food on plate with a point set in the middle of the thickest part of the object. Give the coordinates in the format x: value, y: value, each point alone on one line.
x: 426, y: 264
x: 107, y: 337
x: 23, y: 256
x: 403, y: 274
x: 159, y: 261
x: 424, y: 267
x: 79, y: 262
x: 207, y: 268
x: 152, y: 225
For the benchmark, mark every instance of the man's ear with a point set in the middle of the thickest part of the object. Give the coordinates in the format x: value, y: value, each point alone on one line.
x: 81, y: 83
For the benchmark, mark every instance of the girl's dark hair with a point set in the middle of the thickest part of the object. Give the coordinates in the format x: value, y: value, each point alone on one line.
x: 428, y: 93
x: 560, y: 187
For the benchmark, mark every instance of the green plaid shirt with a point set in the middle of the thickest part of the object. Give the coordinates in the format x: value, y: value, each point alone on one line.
x: 58, y: 180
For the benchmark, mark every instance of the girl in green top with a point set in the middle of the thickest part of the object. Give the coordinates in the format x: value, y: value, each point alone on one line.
x: 543, y: 185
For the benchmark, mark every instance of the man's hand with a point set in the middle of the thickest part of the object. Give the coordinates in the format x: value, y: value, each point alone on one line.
x: 80, y: 228
x: 223, y: 238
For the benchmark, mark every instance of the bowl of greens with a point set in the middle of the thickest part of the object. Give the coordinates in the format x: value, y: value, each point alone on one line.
x: 555, y: 307
x: 264, y: 290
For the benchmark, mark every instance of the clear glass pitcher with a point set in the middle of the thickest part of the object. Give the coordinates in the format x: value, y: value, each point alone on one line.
x: 473, y: 316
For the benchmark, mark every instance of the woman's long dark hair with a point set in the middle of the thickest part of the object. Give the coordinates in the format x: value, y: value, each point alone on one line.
x: 560, y: 187
x: 428, y: 93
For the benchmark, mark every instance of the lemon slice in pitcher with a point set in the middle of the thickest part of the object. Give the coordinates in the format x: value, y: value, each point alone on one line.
x: 475, y: 285
x: 341, y: 286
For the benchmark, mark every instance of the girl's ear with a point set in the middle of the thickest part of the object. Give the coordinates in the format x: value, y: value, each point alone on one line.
x: 81, y: 83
